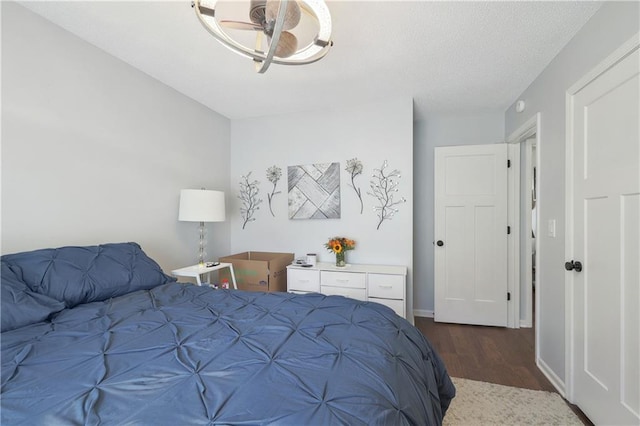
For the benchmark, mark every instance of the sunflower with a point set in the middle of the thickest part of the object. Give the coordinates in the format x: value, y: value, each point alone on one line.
x: 338, y: 245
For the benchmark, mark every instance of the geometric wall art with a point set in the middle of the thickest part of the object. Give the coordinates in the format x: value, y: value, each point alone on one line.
x: 314, y: 191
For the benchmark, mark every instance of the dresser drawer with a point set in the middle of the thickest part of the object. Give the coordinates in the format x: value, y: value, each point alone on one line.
x: 343, y: 279
x: 396, y: 305
x: 303, y: 280
x: 386, y: 286
x: 300, y: 292
x: 354, y: 293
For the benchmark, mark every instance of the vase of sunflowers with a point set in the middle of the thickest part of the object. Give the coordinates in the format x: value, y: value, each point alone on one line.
x: 339, y: 246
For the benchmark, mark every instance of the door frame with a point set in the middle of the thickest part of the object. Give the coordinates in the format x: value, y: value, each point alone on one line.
x: 523, y: 291
x: 618, y: 55
x: 527, y: 255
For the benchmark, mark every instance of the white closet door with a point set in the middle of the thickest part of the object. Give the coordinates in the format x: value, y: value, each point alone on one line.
x: 604, y: 197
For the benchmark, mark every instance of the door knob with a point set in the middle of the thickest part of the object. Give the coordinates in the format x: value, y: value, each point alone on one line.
x: 440, y: 243
x: 573, y: 266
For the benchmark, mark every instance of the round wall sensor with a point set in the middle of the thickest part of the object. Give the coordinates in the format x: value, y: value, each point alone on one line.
x: 520, y: 106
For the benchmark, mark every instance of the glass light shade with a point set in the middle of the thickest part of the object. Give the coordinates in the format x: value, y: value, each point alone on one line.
x: 201, y: 205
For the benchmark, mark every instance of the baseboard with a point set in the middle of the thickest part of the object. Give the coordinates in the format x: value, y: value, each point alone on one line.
x: 525, y: 324
x: 553, y: 377
x: 423, y: 313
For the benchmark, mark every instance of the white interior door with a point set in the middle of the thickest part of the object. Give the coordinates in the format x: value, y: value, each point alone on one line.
x: 471, y: 234
x: 604, y: 215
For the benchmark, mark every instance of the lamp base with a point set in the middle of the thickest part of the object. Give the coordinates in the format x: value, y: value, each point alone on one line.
x: 202, y: 245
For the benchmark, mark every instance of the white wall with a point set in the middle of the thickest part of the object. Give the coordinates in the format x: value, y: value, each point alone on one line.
x: 611, y: 26
x: 96, y: 151
x: 440, y: 130
x: 373, y: 133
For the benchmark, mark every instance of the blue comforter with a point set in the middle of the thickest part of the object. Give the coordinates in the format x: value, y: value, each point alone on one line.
x: 180, y: 355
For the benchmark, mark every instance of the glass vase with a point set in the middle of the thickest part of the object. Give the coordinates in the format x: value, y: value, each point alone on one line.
x: 340, y: 262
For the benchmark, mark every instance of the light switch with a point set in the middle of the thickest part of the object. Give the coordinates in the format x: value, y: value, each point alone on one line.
x: 551, y: 228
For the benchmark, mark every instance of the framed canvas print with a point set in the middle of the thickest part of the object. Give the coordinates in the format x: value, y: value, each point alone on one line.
x: 314, y: 191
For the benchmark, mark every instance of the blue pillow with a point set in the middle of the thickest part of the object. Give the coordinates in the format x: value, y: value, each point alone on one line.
x: 75, y: 275
x: 19, y: 305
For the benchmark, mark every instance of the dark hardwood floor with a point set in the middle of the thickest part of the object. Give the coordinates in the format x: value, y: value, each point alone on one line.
x: 498, y: 355
x: 490, y: 354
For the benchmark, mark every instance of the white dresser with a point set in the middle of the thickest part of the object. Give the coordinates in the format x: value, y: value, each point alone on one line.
x: 375, y: 283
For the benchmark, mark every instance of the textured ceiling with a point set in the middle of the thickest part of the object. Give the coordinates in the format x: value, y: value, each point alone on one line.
x: 447, y: 56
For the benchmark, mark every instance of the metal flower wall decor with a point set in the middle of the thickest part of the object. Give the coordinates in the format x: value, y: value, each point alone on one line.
x: 249, y: 197
x: 274, y: 174
x: 354, y: 167
x: 384, y: 185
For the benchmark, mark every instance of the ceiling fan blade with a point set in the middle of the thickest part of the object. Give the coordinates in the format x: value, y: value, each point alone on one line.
x: 287, y: 45
x: 291, y: 17
x: 237, y: 25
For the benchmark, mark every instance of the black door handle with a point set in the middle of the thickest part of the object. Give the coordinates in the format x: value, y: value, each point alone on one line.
x: 573, y: 266
x: 440, y: 243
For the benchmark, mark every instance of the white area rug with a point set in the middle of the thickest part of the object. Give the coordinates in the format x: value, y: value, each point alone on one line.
x: 482, y: 403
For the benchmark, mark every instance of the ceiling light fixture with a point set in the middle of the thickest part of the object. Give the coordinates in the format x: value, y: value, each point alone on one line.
x: 274, y: 19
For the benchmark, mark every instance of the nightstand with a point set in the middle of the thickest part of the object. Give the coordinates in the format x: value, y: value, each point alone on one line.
x: 196, y: 271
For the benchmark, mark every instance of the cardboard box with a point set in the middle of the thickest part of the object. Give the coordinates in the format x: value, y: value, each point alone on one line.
x: 258, y: 270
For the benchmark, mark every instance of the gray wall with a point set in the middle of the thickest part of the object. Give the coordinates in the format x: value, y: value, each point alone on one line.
x: 96, y: 151
x: 440, y: 130
x: 371, y: 132
x: 611, y: 26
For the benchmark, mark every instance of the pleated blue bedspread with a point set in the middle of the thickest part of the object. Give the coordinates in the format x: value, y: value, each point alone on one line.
x: 179, y: 354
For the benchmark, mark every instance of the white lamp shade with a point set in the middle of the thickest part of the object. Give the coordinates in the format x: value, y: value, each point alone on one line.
x: 201, y: 205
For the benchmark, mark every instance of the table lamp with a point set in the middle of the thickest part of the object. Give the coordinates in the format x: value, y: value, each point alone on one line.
x: 201, y: 205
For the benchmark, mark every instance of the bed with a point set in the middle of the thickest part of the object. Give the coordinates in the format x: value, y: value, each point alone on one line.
x: 100, y: 335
